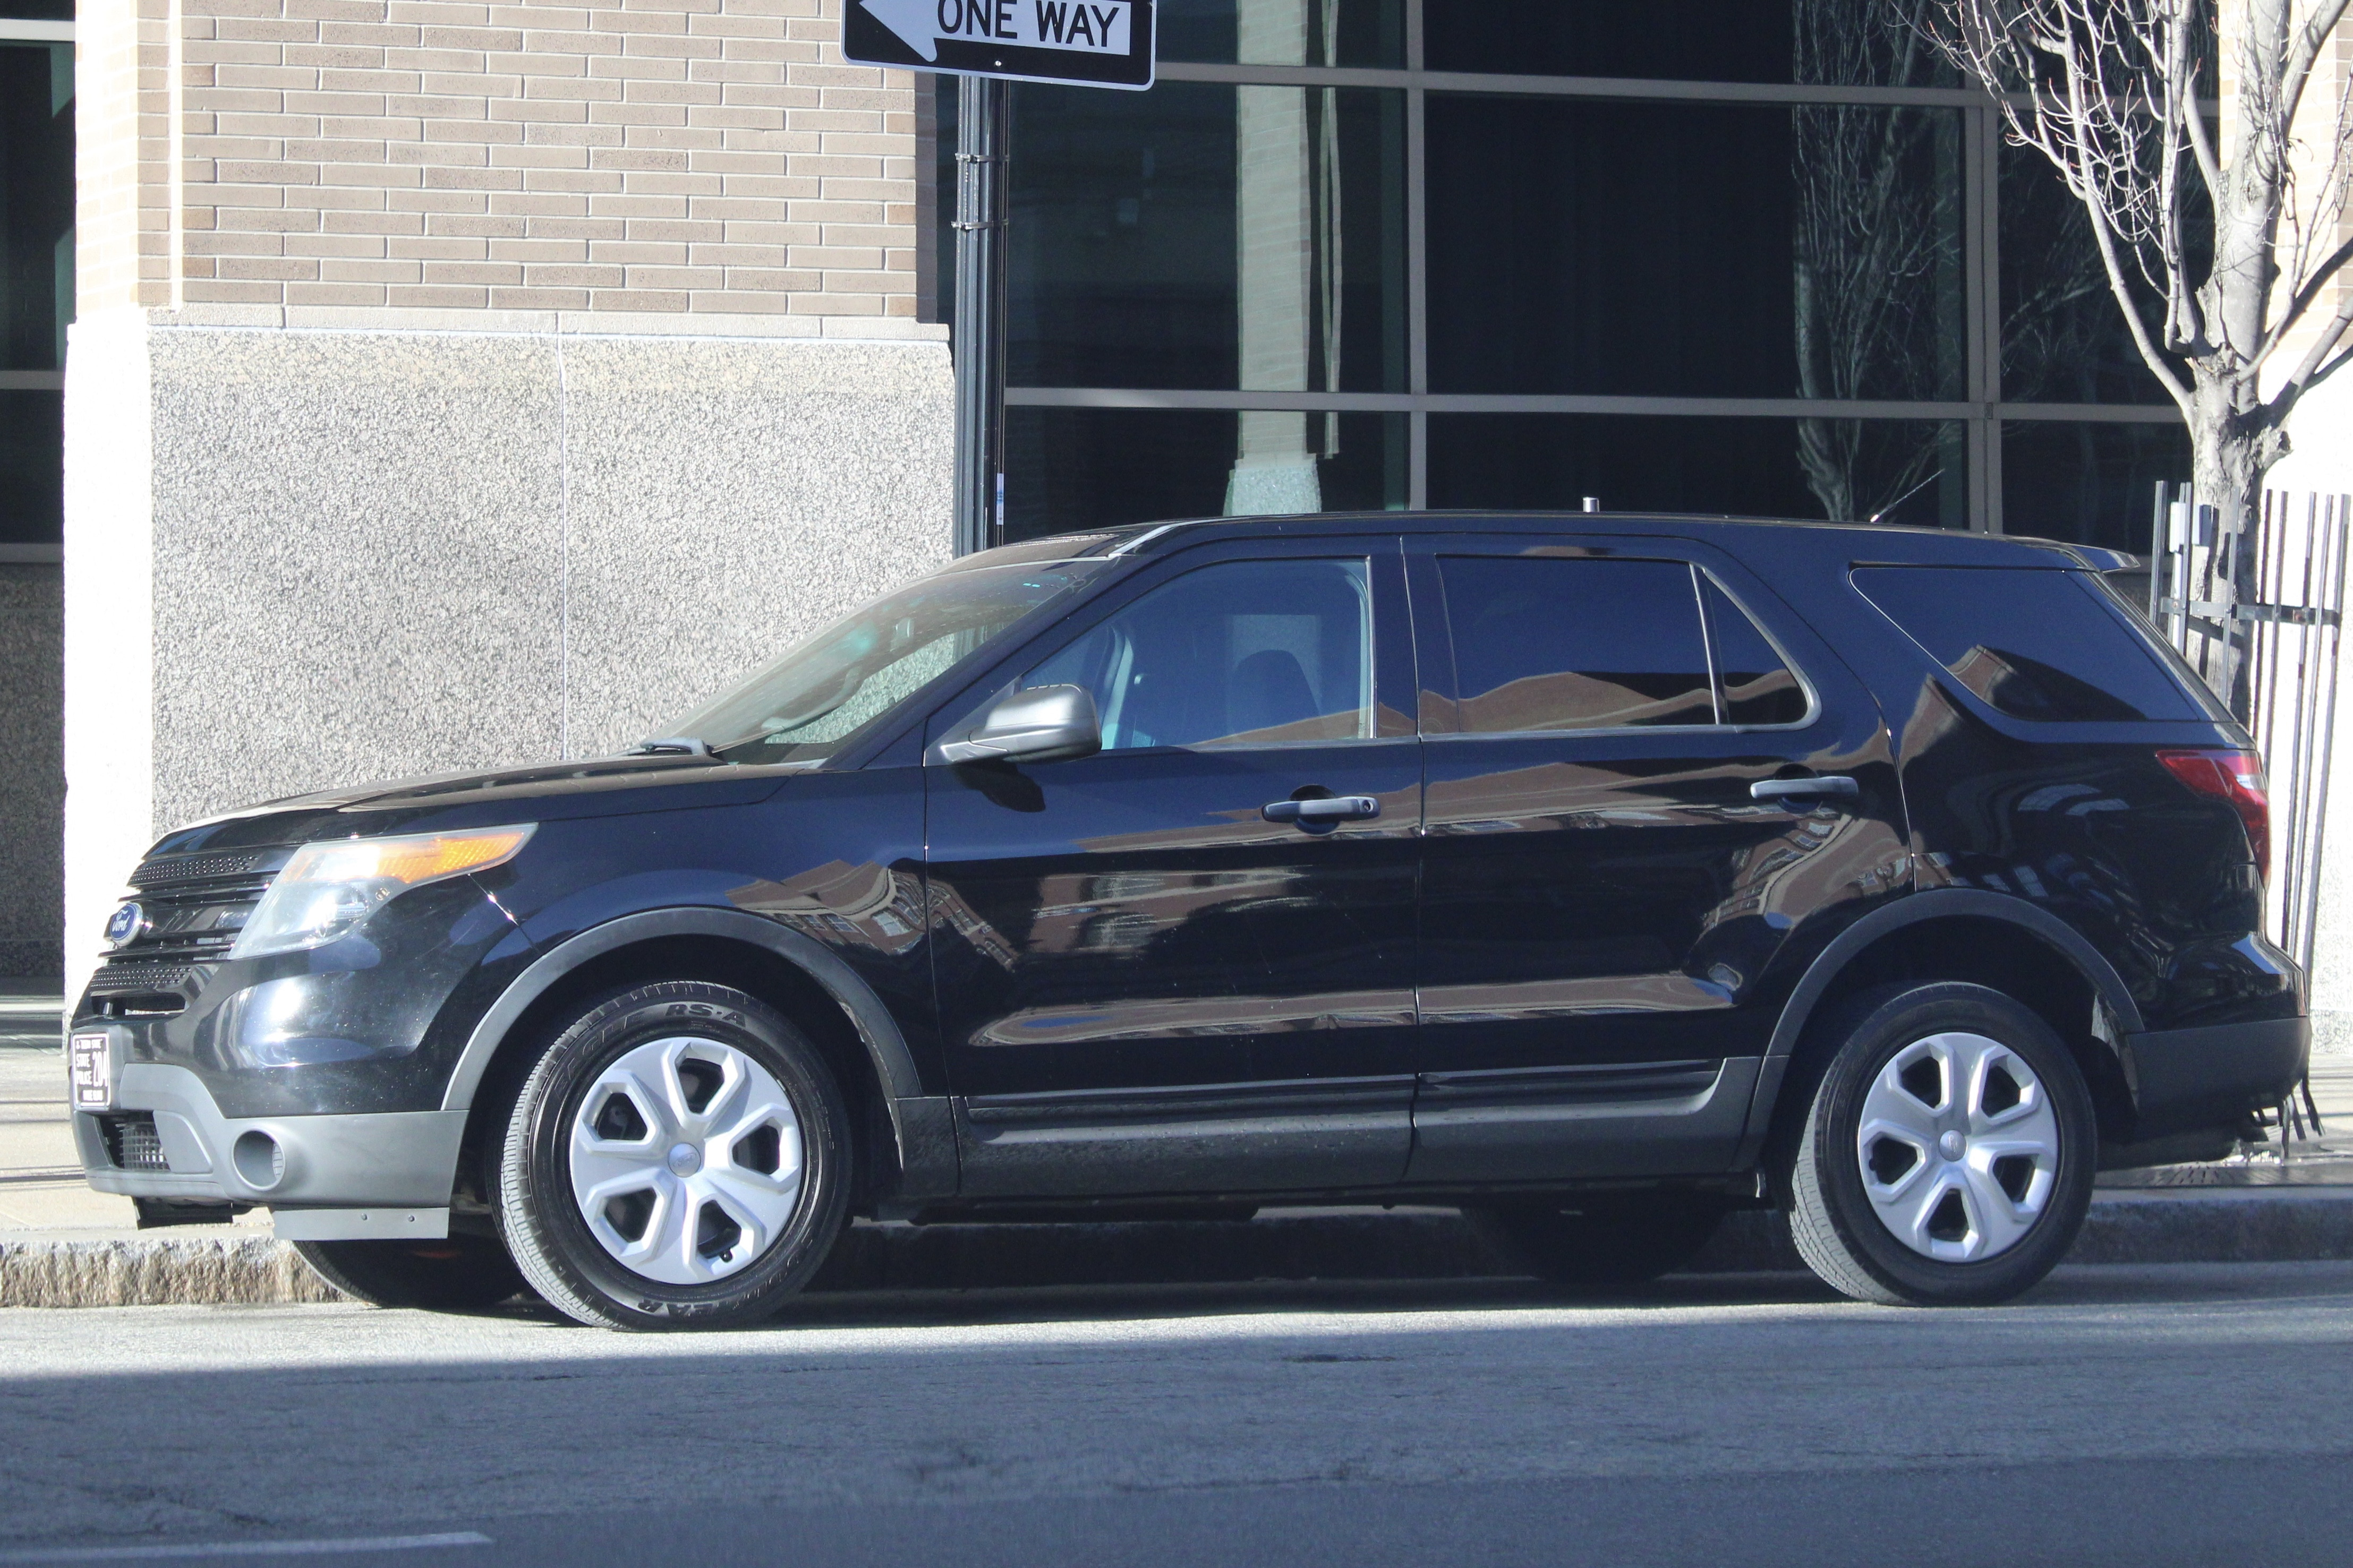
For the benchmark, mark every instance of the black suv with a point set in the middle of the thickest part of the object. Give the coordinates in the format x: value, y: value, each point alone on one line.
x: 1600, y: 874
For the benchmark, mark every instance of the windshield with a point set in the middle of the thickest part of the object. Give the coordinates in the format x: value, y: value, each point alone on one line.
x: 807, y: 704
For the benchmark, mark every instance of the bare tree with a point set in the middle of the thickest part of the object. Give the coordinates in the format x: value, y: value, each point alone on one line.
x: 2220, y: 249
x: 1877, y: 240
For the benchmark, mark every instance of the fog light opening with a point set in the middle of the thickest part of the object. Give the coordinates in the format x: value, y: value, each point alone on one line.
x: 261, y: 1162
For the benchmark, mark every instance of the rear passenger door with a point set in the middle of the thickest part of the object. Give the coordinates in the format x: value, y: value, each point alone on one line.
x: 1604, y: 888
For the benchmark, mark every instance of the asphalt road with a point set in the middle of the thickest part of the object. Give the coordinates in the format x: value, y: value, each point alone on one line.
x: 2189, y: 1415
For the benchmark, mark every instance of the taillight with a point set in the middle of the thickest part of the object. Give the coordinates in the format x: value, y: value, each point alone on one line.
x: 2237, y: 777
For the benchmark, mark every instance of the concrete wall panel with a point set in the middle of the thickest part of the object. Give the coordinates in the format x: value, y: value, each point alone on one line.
x: 727, y: 498
x: 358, y: 564
x: 32, y: 768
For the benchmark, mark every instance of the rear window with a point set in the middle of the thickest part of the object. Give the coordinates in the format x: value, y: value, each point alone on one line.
x: 2036, y: 644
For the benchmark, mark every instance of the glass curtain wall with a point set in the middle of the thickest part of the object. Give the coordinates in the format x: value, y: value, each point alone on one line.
x: 1722, y: 256
x: 37, y: 264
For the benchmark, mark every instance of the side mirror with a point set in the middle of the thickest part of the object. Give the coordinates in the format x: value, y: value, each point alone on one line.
x: 1043, y: 724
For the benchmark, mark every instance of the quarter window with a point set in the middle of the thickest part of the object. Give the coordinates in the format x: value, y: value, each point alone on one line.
x: 1243, y: 653
x: 2034, y: 643
x: 1758, y: 687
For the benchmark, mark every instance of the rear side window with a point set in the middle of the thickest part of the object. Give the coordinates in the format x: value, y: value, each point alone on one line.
x: 2035, y: 644
x: 1565, y: 643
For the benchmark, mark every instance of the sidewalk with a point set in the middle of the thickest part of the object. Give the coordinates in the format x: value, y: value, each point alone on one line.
x: 63, y: 1245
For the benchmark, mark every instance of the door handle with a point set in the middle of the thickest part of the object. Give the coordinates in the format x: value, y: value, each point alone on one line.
x: 1828, y: 784
x: 1321, y: 812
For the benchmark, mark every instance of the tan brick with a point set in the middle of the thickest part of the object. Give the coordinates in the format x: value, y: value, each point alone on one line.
x: 439, y: 297
x: 482, y: 272
x: 637, y: 253
x: 436, y: 248
x: 548, y: 252
x: 338, y: 269
x: 638, y: 299
x: 572, y: 277
x: 742, y: 302
x: 539, y: 299
x: 335, y: 294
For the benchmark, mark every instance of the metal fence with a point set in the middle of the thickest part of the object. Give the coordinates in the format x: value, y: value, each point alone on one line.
x: 2259, y: 613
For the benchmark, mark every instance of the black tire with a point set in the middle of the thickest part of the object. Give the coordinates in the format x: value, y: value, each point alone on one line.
x: 544, y: 1224
x: 1832, y: 1219
x: 461, y: 1274
x: 1609, y: 1242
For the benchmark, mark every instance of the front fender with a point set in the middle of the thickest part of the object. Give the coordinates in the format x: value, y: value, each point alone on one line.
x: 919, y: 1123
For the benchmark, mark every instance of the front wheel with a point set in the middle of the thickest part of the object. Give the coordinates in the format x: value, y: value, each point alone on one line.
x: 678, y: 1159
x: 1948, y: 1153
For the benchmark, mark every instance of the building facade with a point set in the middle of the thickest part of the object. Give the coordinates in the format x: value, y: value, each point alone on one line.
x: 454, y: 385
x: 465, y: 384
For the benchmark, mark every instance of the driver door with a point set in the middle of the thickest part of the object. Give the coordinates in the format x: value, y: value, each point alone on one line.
x: 1145, y: 984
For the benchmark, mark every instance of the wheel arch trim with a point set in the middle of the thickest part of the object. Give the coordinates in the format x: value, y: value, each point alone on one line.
x: 1951, y: 904
x: 1944, y: 903
x: 885, y: 1046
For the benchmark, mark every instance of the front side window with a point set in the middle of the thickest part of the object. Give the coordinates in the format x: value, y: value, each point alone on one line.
x: 1239, y: 654
x: 809, y: 704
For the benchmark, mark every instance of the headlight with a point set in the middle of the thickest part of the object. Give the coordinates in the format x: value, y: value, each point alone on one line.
x: 329, y: 889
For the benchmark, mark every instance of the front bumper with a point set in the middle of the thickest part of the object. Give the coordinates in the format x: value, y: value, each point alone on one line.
x: 399, y: 1160
x: 2185, y: 1080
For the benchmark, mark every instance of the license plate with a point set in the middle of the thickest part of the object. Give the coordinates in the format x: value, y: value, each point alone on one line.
x: 92, y: 1061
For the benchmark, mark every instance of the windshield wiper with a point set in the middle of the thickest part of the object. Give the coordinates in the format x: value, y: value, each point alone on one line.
x: 671, y: 746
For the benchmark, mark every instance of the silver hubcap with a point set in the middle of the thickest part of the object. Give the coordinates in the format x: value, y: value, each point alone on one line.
x: 1960, y: 1147
x: 686, y: 1160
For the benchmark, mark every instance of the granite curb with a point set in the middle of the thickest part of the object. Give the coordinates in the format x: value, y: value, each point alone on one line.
x: 245, y: 1265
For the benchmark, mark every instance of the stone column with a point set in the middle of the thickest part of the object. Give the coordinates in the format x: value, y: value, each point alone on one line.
x: 1274, y: 471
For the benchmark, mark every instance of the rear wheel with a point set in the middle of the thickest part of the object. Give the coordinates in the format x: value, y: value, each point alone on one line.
x: 1609, y: 1241
x: 1948, y: 1153
x: 461, y: 1274
x: 678, y: 1159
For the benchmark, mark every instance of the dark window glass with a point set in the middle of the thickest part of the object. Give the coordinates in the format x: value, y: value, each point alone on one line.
x: 1547, y: 643
x: 1868, y: 42
x: 2088, y: 483
x: 2035, y: 644
x: 2064, y: 336
x: 1093, y: 467
x: 37, y: 219
x: 32, y: 468
x: 1899, y: 471
x: 1203, y: 235
x: 1244, y: 653
x: 1283, y: 31
x: 1693, y: 251
x: 1758, y: 687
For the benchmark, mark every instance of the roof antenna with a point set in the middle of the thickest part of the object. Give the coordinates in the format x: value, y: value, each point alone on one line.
x: 1908, y: 495
x: 1593, y: 503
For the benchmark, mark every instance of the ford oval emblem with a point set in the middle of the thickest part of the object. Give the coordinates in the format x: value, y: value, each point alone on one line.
x: 127, y: 924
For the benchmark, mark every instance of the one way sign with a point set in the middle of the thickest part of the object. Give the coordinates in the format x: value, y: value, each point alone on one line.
x: 1091, y: 43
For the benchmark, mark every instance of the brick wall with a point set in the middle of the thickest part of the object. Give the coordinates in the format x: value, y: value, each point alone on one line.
x: 646, y: 156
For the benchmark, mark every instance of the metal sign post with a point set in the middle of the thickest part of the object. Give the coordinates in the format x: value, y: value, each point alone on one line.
x: 989, y: 44
x: 983, y: 107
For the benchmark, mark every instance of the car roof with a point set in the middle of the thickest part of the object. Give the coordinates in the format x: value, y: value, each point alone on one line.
x: 1151, y: 537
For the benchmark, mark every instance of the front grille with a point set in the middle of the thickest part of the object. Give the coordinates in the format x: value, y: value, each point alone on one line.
x: 115, y: 978
x: 131, y: 1141
x: 168, y: 871
x: 195, y: 906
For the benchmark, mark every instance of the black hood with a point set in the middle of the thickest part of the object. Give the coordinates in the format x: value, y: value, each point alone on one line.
x: 609, y: 786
